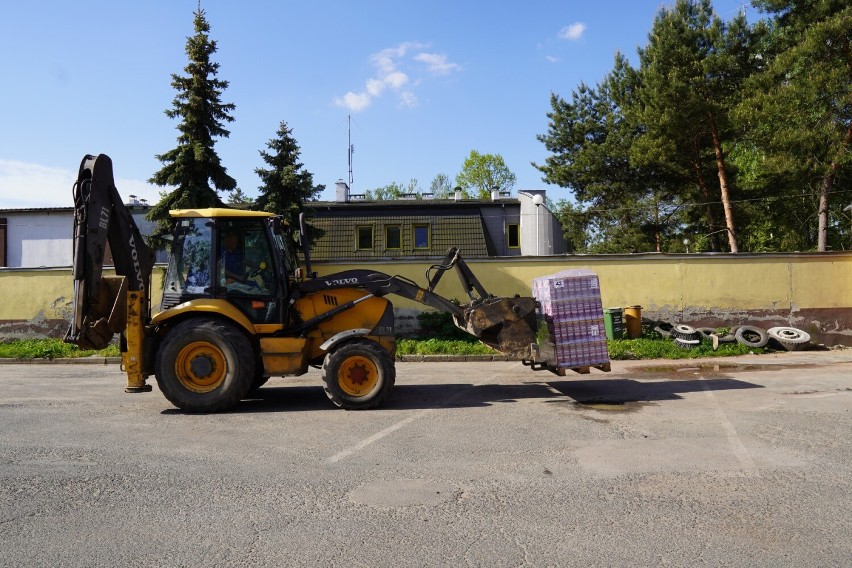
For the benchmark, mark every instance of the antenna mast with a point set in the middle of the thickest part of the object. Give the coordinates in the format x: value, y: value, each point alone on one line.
x: 351, y: 150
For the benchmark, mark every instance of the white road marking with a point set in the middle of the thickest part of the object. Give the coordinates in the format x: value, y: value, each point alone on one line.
x: 740, y: 451
x: 394, y: 427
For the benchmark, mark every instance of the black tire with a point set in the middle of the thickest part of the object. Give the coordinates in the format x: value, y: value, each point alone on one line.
x: 751, y: 336
x: 205, y: 365
x: 683, y: 331
x: 729, y: 337
x: 706, y: 332
x: 664, y: 328
x: 358, y: 375
x: 687, y: 343
x: 789, y: 338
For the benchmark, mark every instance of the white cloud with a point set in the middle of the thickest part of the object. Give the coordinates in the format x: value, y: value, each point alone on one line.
x: 24, y: 185
x: 390, y: 76
x: 552, y: 59
x: 437, y: 63
x: 572, y: 32
x: 408, y: 99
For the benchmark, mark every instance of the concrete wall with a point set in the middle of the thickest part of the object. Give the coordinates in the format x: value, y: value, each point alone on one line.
x: 809, y: 291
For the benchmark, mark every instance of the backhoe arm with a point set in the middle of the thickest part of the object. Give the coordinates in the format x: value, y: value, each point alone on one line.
x: 506, y: 324
x: 101, y: 303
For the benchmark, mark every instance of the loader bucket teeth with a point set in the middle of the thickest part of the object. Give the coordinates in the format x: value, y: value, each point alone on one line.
x: 505, y: 324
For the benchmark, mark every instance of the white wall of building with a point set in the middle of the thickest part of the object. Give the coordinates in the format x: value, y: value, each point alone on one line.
x: 43, y: 237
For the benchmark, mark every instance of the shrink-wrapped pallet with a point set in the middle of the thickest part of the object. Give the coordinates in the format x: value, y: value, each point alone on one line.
x: 572, y: 330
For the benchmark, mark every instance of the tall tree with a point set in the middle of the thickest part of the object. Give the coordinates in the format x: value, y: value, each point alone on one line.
x: 799, y: 108
x: 285, y: 184
x: 441, y: 186
x: 194, y: 165
x: 481, y: 173
x: 590, y: 139
x: 692, y: 67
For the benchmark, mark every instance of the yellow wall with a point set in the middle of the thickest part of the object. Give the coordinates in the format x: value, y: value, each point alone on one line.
x: 746, y: 282
x: 783, y: 283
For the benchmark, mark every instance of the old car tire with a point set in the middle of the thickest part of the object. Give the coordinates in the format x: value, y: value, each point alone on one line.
x: 358, y: 375
x: 789, y: 338
x: 751, y: 336
x: 664, y: 329
x: 683, y: 331
x: 205, y: 365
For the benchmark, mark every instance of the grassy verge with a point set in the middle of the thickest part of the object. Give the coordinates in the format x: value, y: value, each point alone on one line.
x: 618, y: 349
x: 49, y: 349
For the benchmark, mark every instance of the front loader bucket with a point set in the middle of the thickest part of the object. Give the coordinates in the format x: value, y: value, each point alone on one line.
x: 506, y: 324
x: 104, y: 319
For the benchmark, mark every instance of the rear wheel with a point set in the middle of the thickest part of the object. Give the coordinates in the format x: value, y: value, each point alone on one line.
x: 205, y: 365
x: 358, y: 375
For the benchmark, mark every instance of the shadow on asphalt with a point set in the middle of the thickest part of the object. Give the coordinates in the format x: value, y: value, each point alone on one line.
x: 617, y: 391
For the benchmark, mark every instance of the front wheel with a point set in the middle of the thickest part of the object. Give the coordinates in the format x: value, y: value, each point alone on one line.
x: 358, y: 375
x: 205, y: 365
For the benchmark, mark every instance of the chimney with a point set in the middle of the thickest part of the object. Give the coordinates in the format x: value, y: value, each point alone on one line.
x: 458, y: 196
x: 341, y: 191
x: 495, y: 194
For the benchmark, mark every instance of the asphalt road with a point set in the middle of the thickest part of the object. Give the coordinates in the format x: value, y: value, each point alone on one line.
x: 741, y: 462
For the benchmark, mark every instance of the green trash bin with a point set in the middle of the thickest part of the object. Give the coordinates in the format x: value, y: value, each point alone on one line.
x: 614, y: 323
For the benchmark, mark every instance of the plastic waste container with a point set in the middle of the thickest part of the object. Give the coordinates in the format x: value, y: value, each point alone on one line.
x: 633, y: 321
x: 614, y: 323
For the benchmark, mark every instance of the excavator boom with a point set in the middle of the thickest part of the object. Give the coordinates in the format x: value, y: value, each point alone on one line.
x: 100, y: 217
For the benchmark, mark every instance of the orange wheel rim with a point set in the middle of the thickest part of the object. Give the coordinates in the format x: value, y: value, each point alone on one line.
x: 358, y: 376
x: 200, y: 367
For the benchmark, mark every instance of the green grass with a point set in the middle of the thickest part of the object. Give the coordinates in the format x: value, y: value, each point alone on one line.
x: 651, y: 348
x: 49, y: 349
x: 645, y: 348
x: 435, y: 346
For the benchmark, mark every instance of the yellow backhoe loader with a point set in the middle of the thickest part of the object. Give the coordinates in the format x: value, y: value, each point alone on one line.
x: 237, y: 307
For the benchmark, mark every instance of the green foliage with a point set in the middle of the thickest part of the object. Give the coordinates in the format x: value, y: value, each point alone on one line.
x: 645, y: 348
x: 482, y: 173
x: 49, y: 349
x: 435, y: 346
x: 394, y: 190
x: 285, y: 184
x: 724, y: 130
x: 193, y: 166
x: 441, y: 186
x: 440, y: 325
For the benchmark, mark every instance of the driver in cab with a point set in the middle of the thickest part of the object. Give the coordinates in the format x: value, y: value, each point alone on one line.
x: 234, y: 267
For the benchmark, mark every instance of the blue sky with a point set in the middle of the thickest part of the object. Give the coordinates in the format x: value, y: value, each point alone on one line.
x: 424, y: 82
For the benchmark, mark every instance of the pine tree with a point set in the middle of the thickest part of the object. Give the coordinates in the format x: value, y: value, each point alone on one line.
x: 286, y: 185
x: 193, y: 165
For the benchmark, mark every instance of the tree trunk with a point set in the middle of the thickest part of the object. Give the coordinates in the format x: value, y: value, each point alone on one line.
x: 723, y: 184
x: 711, y: 218
x: 825, y: 191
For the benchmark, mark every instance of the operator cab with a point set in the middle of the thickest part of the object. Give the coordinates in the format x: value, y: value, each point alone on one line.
x: 244, y: 257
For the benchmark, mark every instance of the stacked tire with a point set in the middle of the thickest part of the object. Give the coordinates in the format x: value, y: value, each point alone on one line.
x: 685, y: 336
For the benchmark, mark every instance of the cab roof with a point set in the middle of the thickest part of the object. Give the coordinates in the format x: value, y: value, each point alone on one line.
x: 217, y: 212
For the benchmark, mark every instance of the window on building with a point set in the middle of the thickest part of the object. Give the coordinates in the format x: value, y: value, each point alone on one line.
x: 393, y: 237
x: 514, y: 236
x: 422, y: 237
x: 364, y: 237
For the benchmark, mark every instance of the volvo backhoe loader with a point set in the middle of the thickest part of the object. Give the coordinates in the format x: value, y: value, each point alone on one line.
x: 238, y: 308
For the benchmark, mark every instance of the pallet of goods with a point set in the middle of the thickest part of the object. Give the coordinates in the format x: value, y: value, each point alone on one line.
x: 571, y: 331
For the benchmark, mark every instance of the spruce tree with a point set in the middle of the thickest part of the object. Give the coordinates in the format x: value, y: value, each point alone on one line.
x: 193, y: 166
x: 286, y: 185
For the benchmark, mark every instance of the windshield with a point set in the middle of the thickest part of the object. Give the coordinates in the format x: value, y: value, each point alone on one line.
x: 190, y: 264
